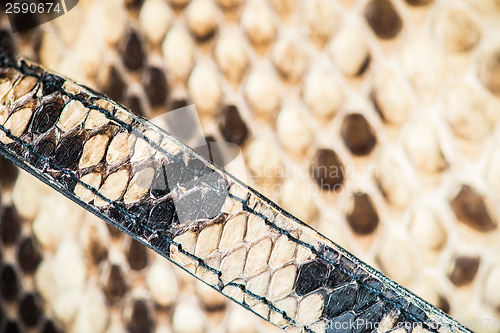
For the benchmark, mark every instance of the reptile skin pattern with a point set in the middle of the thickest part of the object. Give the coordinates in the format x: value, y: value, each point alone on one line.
x: 145, y: 182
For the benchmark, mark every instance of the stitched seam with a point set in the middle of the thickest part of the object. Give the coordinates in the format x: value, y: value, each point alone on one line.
x: 135, y: 219
x: 133, y: 131
x: 322, y: 256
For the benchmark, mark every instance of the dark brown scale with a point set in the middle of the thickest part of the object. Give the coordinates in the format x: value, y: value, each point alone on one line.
x: 28, y: 255
x: 114, y: 87
x: 133, y: 4
x: 383, y: 18
x: 116, y: 286
x: 232, y: 126
x: 162, y: 215
x: 45, y: 150
x: 177, y: 5
x: 161, y: 243
x: 8, y: 173
x: 155, y: 85
x: 97, y: 251
x: 24, y: 22
x: 9, y: 283
x: 133, y: 102
x: 46, y: 116
x: 6, y: 41
x: 49, y: 327
x: 116, y: 213
x: 10, y: 225
x: 115, y: 232
x: 132, y: 51
x: 140, y: 211
x: 141, y: 320
x: 177, y: 104
x: 470, y: 209
x: 229, y: 5
x: 363, y: 219
x: 46, y: 147
x: 68, y: 151
x: 137, y: 256
x: 12, y: 327
x: 327, y: 170
x: 30, y: 310
x: 2, y: 316
x: 419, y: 2
x: 358, y: 135
x: 443, y: 304
x: 17, y: 148
x: 51, y: 83
x: 68, y: 182
x: 205, y: 36
x: 36, y: 44
x: 464, y: 270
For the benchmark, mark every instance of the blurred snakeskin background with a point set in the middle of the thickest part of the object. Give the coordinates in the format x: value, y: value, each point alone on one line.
x: 374, y: 121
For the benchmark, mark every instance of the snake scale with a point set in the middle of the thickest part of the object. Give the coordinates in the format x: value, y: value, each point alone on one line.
x: 148, y: 184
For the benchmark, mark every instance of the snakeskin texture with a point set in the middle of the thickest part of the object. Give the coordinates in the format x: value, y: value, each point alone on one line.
x: 148, y: 184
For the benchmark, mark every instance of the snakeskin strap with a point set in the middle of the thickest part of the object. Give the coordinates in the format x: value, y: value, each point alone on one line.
x: 145, y: 182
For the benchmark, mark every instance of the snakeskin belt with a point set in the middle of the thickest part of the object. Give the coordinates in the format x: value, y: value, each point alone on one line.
x: 151, y: 186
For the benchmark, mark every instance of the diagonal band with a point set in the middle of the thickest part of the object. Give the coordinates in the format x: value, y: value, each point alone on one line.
x: 145, y: 182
